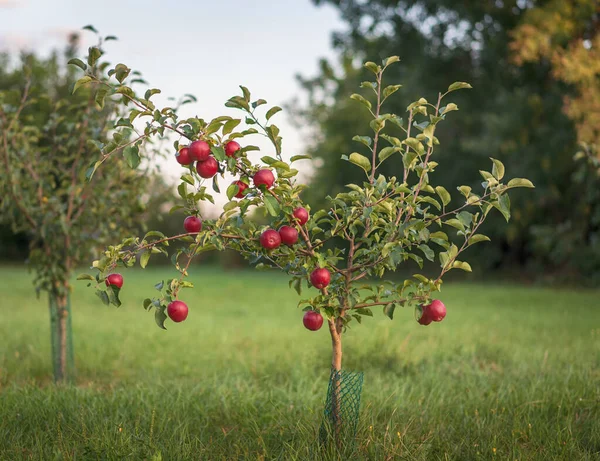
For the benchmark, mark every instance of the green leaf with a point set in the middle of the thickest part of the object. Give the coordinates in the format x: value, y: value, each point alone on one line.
x: 449, y: 108
x: 466, y: 218
x: 147, y: 303
x: 390, y: 60
x: 85, y: 277
x: 113, y: 295
x: 408, y: 158
x: 94, y: 54
x: 232, y: 190
x: 465, y: 266
x: 82, y: 81
x: 230, y: 125
x: 78, y: 62
x: 363, y: 140
x: 520, y: 182
x: 90, y: 28
x: 295, y: 158
x: 298, y: 286
x: 103, y: 295
x: 388, y: 310
x: 415, y: 144
x: 132, y: 156
x: 443, y: 194
x: 188, y: 178
x: 428, y: 252
x: 390, y: 90
x: 497, y: 169
x: 150, y: 92
x: 455, y: 223
x: 476, y: 238
x: 361, y: 161
x: 362, y: 100
x: 272, y: 205
x: 99, y: 98
x: 503, y: 205
x: 144, y: 257
x: 268, y: 160
x: 372, y: 67
x: 160, y: 317
x: 272, y: 111
x: 218, y: 152
x: 458, y: 86
x: 246, y: 92
x: 386, y: 152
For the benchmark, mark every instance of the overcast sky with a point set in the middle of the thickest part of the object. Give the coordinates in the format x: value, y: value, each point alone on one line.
x: 203, y: 47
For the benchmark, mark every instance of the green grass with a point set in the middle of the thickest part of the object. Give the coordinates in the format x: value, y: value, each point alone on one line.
x: 511, y: 373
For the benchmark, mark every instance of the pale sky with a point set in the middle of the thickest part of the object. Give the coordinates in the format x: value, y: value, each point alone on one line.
x: 205, y: 47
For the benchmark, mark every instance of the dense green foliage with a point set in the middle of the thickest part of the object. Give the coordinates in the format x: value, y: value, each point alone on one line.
x: 511, y: 369
x: 382, y: 222
x: 514, y: 113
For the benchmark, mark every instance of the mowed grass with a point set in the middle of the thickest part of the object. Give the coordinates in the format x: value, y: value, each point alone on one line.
x: 511, y: 373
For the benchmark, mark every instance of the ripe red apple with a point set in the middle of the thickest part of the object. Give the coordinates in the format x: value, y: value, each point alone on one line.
x: 116, y: 280
x: 199, y: 150
x: 208, y: 168
x: 231, y: 148
x: 270, y: 239
x: 312, y: 320
x: 301, y: 215
x: 242, y: 187
x: 264, y: 177
x: 425, y: 319
x: 183, y: 157
x: 288, y: 234
x: 192, y: 224
x: 320, y: 278
x: 436, y: 310
x: 177, y: 311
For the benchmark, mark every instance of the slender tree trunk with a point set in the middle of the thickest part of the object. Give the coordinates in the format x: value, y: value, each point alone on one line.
x: 62, y: 354
x: 335, y: 330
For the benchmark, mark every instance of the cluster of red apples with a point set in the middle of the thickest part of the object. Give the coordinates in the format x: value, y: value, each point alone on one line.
x: 207, y: 166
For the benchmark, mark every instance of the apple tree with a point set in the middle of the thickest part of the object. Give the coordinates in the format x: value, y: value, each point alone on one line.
x: 48, y: 138
x: 339, y: 254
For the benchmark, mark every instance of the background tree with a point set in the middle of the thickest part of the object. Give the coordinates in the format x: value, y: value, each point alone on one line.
x: 45, y: 151
x: 564, y: 37
x: 514, y: 113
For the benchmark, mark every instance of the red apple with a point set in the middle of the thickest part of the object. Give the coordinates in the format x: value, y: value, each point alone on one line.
x: 199, y: 150
x: 116, y: 280
x: 425, y: 319
x: 183, y: 157
x: 177, y: 311
x: 312, y: 320
x: 208, y: 168
x: 301, y: 215
x: 320, y: 278
x: 192, y: 224
x: 270, y: 239
x: 288, y: 234
x: 436, y: 310
x: 264, y: 177
x: 231, y: 148
x: 242, y: 187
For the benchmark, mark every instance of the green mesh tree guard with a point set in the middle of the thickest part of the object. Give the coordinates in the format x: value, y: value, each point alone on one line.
x: 61, y: 333
x: 340, y: 418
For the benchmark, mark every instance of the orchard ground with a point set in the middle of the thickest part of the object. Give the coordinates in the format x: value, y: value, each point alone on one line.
x: 512, y: 373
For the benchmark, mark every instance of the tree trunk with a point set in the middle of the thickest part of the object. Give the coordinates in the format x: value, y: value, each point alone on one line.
x: 335, y: 329
x: 60, y: 324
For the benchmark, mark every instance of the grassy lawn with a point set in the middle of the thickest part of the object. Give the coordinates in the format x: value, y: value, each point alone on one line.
x: 512, y: 373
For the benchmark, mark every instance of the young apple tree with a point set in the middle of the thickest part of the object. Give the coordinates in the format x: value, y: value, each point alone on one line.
x: 340, y: 253
x: 48, y: 137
